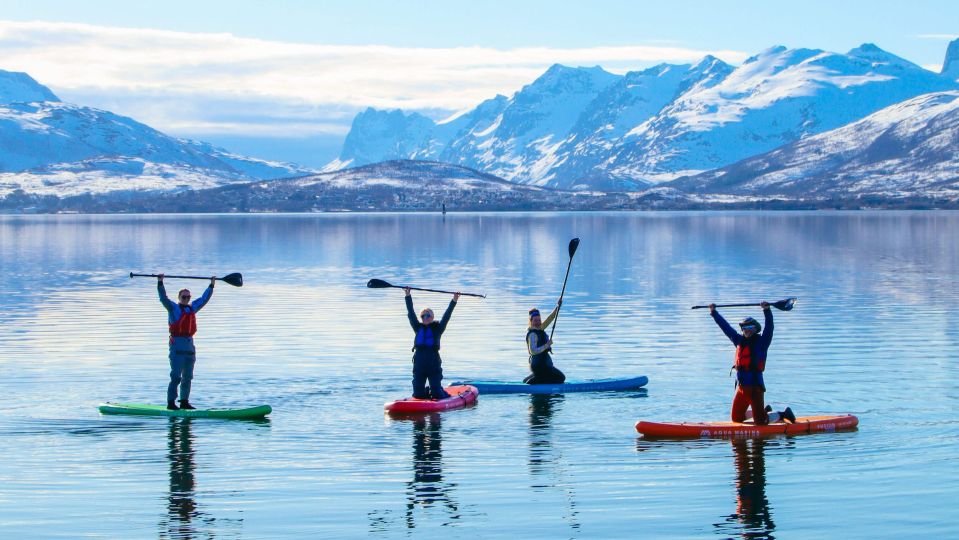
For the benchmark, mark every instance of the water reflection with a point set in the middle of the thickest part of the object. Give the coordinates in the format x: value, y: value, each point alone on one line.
x: 541, y: 408
x: 428, y: 487
x: 182, y: 512
x: 545, y: 460
x: 753, y: 517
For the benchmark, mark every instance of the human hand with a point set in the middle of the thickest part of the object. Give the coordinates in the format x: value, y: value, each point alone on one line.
x: 456, y: 296
x: 559, y: 302
x: 406, y: 290
x: 212, y: 281
x: 712, y: 308
x: 160, y: 278
x: 764, y: 304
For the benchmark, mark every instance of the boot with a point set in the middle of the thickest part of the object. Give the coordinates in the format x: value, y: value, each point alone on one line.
x: 185, y: 404
x: 171, y: 405
x: 788, y: 415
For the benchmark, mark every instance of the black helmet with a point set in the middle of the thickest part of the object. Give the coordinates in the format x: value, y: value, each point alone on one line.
x: 751, y: 322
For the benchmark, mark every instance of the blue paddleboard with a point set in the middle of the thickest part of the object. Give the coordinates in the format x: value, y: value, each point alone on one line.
x: 599, y: 385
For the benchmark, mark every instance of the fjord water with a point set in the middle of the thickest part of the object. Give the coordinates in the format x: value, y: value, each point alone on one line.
x: 874, y: 334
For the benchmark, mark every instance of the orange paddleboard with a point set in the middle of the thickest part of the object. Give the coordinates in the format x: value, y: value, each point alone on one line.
x: 747, y: 430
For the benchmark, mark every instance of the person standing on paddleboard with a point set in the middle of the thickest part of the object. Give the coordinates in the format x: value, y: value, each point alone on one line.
x: 182, y: 321
x: 427, y: 364
x: 539, y: 345
x: 751, y: 347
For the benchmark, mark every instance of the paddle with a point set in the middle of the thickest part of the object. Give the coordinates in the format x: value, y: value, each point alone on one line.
x: 380, y: 284
x: 783, y: 305
x: 573, y: 244
x: 235, y: 279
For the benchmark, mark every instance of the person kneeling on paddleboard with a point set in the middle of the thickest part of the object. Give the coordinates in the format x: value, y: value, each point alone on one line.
x: 539, y: 345
x: 427, y: 364
x: 182, y: 321
x: 751, y: 347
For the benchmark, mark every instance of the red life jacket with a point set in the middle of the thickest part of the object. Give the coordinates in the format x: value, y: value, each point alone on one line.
x: 744, y: 359
x: 185, y: 326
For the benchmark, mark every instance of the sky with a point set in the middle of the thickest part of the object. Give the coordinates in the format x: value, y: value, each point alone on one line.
x: 283, y: 79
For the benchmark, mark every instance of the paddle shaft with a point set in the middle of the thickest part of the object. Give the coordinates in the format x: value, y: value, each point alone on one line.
x: 132, y: 275
x: 565, y: 279
x: 728, y: 305
x: 439, y: 291
x: 785, y: 304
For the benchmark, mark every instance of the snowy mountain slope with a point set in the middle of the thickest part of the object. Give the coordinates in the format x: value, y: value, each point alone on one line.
x: 408, y: 174
x: 390, y: 186
x: 512, y: 137
x: 774, y: 98
x: 48, y: 146
x: 111, y: 177
x: 520, y: 143
x: 909, y: 148
x: 633, y: 100
x: 586, y: 128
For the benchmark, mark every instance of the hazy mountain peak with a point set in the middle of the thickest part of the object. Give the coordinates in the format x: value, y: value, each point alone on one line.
x: 17, y: 87
x: 565, y: 78
x: 771, y: 51
x: 950, y: 66
x: 872, y: 53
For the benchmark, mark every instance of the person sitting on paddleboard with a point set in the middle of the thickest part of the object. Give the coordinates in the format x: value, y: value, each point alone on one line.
x: 427, y: 364
x: 182, y: 321
x: 751, y: 347
x: 539, y: 345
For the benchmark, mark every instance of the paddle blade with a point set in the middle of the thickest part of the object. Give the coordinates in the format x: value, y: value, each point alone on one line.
x: 573, y: 244
x: 785, y: 305
x: 377, y: 284
x: 235, y: 279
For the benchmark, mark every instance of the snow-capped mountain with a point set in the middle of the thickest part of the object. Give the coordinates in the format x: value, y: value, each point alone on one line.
x: 585, y: 127
x: 49, y: 147
x: 15, y: 87
x: 907, y: 149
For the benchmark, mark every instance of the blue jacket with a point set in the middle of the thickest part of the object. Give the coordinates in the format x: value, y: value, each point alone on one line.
x: 758, y: 345
x: 174, y: 310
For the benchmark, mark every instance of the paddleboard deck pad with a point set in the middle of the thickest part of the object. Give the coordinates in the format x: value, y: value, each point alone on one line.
x: 599, y: 385
x: 460, y: 396
x: 748, y: 430
x: 141, y: 409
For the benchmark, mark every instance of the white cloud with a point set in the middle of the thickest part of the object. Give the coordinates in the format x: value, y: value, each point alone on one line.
x: 939, y: 37
x: 78, y: 57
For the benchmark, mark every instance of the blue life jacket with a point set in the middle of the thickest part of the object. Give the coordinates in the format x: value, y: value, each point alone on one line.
x: 426, y: 338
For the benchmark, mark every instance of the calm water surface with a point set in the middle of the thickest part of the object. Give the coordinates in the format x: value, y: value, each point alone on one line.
x: 875, y: 334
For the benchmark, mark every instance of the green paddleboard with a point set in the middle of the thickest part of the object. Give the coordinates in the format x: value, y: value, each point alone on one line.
x: 142, y: 409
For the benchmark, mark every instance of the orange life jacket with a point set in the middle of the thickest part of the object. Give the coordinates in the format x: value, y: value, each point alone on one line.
x: 744, y: 359
x: 185, y: 326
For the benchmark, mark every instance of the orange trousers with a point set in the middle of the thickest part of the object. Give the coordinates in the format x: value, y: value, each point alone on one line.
x: 746, y: 397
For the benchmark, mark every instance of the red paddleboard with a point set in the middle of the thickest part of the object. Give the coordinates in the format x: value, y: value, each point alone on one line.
x: 747, y: 430
x: 460, y: 396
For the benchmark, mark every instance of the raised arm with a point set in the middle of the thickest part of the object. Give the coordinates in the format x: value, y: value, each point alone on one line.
x: 409, y: 313
x: 161, y: 291
x: 449, y: 313
x: 768, y: 327
x: 552, y: 317
x: 198, y: 304
x: 724, y: 326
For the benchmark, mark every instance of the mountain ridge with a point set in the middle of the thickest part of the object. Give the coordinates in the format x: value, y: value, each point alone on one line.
x: 627, y: 131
